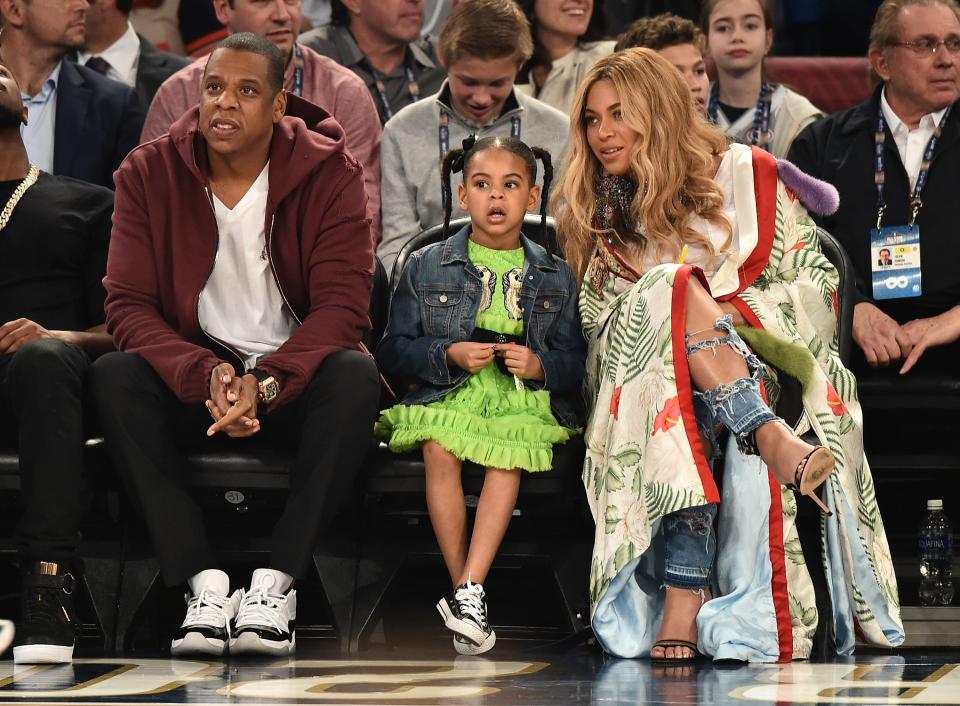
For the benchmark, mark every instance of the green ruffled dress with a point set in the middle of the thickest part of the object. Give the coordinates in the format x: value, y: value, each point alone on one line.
x: 489, y: 419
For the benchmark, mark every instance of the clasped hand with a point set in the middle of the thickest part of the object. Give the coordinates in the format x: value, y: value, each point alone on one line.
x: 519, y: 360
x: 232, y: 403
x: 17, y: 333
x: 885, y: 342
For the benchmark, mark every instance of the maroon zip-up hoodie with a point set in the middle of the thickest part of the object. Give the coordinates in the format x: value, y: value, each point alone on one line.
x: 165, y: 240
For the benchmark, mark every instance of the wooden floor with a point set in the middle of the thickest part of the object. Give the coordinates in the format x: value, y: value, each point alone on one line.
x: 518, y: 677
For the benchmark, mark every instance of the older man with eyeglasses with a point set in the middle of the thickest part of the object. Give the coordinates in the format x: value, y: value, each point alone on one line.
x: 896, y: 161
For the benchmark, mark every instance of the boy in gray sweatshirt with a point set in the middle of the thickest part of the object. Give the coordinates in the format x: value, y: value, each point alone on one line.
x: 483, y: 45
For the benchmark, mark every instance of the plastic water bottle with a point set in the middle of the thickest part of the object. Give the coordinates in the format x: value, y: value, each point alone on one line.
x: 936, y: 556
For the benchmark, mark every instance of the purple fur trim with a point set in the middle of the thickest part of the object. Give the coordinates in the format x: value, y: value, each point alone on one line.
x: 819, y: 197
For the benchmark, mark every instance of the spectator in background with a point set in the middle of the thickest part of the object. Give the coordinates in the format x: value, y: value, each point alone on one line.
x: 379, y: 40
x: 482, y: 46
x: 566, y: 43
x: 915, y: 50
x: 54, y: 233
x: 264, y: 327
x: 742, y: 102
x: 680, y: 42
x: 115, y: 50
x: 318, y: 79
x: 81, y: 123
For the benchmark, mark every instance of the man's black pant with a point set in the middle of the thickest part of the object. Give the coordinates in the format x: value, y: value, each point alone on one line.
x: 41, y: 412
x: 146, y: 428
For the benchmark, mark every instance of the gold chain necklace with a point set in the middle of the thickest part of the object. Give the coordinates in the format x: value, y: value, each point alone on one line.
x: 18, y: 193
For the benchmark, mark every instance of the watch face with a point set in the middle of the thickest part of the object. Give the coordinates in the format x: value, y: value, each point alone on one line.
x: 269, y: 389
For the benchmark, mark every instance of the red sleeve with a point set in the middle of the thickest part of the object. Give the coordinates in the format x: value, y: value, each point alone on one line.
x: 133, y: 309
x: 340, y: 276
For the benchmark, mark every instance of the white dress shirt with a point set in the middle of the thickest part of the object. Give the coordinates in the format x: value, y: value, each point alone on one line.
x: 39, y: 134
x: 241, y: 304
x: 910, y: 143
x: 123, y: 56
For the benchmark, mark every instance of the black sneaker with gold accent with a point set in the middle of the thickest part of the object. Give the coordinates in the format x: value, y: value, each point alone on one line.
x: 47, y: 630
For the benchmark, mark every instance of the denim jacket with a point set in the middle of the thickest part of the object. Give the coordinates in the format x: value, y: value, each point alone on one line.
x: 436, y: 305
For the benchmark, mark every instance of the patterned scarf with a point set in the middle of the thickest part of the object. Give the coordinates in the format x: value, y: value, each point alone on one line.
x: 614, y: 197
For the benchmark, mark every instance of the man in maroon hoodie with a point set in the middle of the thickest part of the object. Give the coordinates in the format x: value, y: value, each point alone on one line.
x: 239, y: 276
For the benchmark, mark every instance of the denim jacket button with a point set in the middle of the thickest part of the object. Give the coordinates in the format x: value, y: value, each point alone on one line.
x: 546, y: 305
x: 443, y: 298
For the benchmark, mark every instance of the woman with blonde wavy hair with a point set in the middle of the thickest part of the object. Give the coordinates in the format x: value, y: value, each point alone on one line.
x: 687, y: 250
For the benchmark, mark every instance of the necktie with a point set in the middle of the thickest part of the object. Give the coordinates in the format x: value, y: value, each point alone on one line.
x: 98, y: 64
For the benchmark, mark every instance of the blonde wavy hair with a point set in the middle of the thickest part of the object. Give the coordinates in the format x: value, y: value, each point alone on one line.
x: 673, y: 161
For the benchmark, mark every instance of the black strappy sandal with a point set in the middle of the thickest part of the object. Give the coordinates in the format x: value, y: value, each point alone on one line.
x: 664, y: 644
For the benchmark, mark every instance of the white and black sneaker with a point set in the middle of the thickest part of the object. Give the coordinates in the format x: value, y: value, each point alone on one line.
x: 465, y: 612
x: 48, y: 623
x: 266, y: 621
x: 206, y: 628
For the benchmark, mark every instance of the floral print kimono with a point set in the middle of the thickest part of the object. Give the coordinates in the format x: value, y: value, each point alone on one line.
x: 645, y: 458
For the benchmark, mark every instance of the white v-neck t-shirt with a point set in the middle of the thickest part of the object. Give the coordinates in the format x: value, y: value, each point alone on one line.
x: 241, y: 304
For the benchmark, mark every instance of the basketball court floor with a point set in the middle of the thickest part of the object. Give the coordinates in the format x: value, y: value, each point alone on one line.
x: 512, y: 675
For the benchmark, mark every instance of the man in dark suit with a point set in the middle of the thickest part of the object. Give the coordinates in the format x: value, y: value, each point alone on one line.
x: 915, y: 50
x: 116, y: 50
x: 81, y: 124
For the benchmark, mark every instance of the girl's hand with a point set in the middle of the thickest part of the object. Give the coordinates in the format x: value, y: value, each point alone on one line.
x: 521, y: 361
x: 471, y: 357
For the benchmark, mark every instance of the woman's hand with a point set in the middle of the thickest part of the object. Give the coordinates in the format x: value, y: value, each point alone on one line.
x: 471, y: 357
x: 520, y: 361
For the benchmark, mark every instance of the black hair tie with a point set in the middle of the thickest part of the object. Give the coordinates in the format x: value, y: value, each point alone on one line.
x: 456, y: 164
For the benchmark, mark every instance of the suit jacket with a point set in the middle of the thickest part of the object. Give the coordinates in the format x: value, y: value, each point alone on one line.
x: 98, y: 123
x: 154, y: 67
x: 840, y: 150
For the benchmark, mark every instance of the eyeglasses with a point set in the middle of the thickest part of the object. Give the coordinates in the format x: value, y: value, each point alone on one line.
x: 929, y: 45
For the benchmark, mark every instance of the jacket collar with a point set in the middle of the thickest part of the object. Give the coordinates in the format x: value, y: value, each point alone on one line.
x: 510, y: 107
x: 864, y: 116
x: 455, y: 250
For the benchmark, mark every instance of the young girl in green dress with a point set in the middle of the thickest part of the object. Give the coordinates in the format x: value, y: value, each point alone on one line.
x: 486, y: 325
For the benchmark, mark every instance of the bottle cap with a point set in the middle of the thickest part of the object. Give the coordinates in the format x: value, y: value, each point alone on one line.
x: 934, y: 504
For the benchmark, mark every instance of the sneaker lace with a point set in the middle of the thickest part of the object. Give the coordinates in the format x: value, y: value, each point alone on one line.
x: 260, y: 607
x: 470, y: 603
x: 207, y: 608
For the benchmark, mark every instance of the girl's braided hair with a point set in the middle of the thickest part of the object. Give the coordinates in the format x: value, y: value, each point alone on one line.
x: 458, y: 160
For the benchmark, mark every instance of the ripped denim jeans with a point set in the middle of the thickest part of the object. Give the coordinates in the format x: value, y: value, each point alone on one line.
x: 690, y: 546
x: 738, y: 405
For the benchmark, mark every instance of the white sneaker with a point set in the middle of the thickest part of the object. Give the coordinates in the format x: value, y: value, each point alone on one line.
x: 464, y: 611
x: 206, y: 628
x: 266, y: 620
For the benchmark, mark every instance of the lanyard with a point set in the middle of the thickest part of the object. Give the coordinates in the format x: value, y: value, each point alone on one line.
x: 759, y: 134
x: 412, y: 87
x: 297, y: 70
x: 879, y: 139
x: 444, y: 137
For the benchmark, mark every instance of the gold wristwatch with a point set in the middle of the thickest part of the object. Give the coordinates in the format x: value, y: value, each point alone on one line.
x: 267, y: 386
